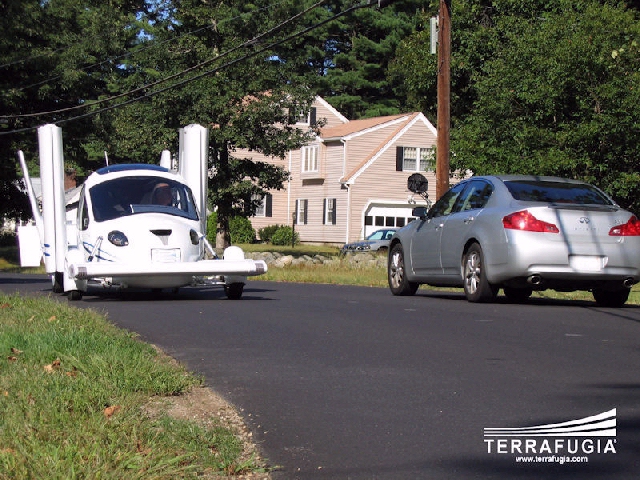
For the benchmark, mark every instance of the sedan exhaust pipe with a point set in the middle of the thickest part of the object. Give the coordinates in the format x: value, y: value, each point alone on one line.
x: 534, y: 279
x: 628, y: 282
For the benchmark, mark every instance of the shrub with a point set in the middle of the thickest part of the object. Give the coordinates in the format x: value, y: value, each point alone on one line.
x: 284, y: 236
x: 241, y: 230
x: 266, y: 233
x: 8, y: 239
x: 212, y: 225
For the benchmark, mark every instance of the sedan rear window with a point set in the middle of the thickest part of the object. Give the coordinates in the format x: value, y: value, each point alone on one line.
x: 556, y: 192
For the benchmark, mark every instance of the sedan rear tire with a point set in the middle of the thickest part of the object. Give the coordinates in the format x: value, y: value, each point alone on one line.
x: 611, y: 298
x: 396, y: 274
x: 476, y: 286
x: 517, y: 295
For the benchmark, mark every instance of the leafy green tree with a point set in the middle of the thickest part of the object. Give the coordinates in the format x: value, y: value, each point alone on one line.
x: 55, y: 56
x: 542, y: 87
x: 352, y: 55
x: 561, y: 99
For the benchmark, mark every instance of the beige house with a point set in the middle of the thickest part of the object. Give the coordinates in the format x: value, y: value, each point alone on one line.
x: 352, y: 180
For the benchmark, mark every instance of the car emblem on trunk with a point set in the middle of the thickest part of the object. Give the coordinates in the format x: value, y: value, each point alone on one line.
x: 584, y: 220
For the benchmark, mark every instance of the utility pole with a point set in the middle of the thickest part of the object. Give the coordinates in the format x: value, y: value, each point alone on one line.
x: 444, y: 96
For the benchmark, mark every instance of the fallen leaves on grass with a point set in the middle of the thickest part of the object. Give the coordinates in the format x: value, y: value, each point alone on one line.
x: 110, y: 411
x: 52, y: 367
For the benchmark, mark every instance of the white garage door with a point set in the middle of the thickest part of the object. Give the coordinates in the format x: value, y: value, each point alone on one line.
x: 385, y: 216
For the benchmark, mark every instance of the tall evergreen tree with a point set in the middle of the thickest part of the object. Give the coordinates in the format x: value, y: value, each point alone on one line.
x: 353, y: 54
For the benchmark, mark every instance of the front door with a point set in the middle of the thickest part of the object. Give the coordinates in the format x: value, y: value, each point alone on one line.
x: 425, y: 247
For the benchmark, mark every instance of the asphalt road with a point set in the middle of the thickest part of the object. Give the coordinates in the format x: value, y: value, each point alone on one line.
x: 347, y: 382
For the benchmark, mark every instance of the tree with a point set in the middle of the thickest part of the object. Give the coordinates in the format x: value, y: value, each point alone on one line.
x: 563, y: 91
x: 351, y: 54
x: 543, y: 88
x: 55, y: 56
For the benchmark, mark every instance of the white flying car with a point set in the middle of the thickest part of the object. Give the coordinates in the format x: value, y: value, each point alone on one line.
x: 137, y: 225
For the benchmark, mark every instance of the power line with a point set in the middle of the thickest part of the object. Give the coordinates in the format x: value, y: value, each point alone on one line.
x: 137, y: 50
x: 170, y: 77
x: 203, y: 74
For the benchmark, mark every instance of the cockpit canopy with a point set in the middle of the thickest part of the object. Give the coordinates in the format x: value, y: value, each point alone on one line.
x: 131, y: 195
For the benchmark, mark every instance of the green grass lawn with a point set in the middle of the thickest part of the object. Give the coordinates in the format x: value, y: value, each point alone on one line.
x: 73, y: 391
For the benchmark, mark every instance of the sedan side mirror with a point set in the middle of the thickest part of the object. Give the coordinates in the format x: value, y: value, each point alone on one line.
x: 420, y: 212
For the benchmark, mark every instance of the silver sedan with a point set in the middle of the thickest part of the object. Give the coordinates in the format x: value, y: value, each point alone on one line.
x: 519, y: 233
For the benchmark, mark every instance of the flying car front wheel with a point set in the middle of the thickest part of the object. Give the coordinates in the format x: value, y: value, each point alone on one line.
x: 74, y: 295
x: 234, y: 290
x: 57, y: 282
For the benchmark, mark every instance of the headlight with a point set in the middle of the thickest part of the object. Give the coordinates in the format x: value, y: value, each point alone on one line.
x: 118, y: 238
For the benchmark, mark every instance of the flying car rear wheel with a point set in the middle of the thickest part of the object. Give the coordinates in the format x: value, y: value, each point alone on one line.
x: 234, y: 290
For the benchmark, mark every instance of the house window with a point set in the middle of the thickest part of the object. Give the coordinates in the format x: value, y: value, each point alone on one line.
x: 307, y: 118
x: 309, y: 158
x: 301, y: 211
x: 415, y: 159
x: 329, y: 216
x: 265, y: 207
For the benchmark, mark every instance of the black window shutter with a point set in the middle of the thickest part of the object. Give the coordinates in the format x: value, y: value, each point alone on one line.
x: 306, y: 207
x: 268, y: 205
x: 399, y: 158
x: 333, y: 212
x: 312, y: 117
x: 297, y: 212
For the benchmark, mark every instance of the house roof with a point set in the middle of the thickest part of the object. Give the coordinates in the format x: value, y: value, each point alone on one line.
x: 403, y: 123
x: 355, y: 126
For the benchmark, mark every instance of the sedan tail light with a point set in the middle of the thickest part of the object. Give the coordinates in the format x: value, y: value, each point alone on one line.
x: 629, y: 229
x: 523, y: 220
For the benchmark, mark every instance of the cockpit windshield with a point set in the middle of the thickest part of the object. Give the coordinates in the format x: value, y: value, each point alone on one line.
x: 131, y: 195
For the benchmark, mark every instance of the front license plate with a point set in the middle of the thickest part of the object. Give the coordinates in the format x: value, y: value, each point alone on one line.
x: 165, y: 255
x: 585, y: 263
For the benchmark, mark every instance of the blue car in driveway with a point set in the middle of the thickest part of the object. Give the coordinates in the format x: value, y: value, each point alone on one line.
x: 378, y: 240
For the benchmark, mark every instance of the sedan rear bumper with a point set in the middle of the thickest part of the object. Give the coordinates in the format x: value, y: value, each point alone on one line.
x: 561, y: 266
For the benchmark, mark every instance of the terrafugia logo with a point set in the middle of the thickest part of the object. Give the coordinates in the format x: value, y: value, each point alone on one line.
x: 558, y: 441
